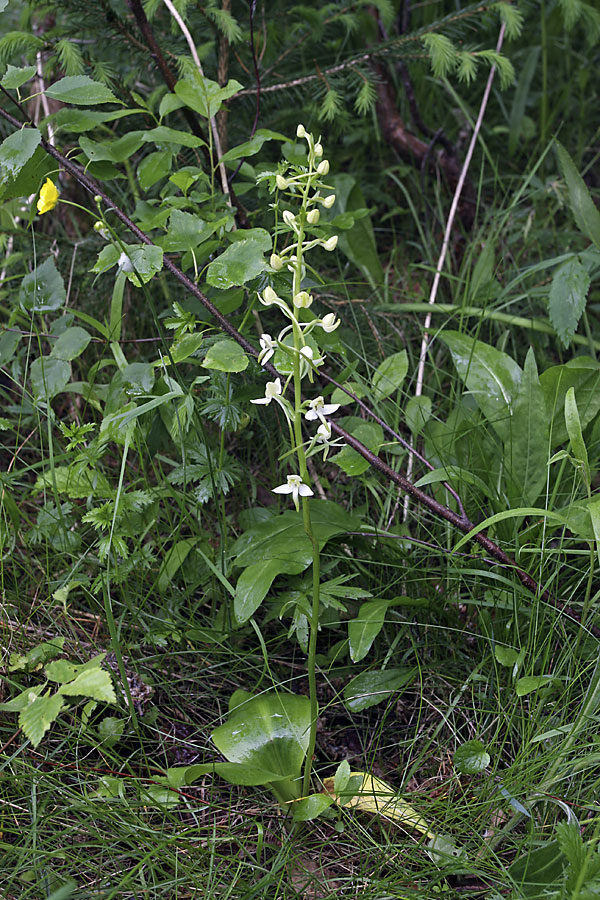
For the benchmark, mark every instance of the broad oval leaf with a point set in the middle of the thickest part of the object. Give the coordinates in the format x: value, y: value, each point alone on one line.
x: 376, y: 797
x: 71, y: 343
x: 270, y: 732
x: 225, y: 356
x: 389, y: 375
x: 14, y: 77
x: 49, y: 376
x: 81, y: 90
x: 43, y: 290
x: 309, y: 808
x: 530, y: 683
x: 363, y: 630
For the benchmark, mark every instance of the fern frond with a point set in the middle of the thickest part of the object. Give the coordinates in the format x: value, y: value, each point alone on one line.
x: 504, y: 66
x: 512, y: 17
x: 225, y: 23
x: 591, y: 22
x: 571, y: 12
x: 366, y: 98
x: 104, y: 72
x: 151, y: 7
x: 467, y: 66
x: 442, y: 54
x: 332, y: 105
x: 19, y: 42
x: 384, y: 8
x: 69, y: 57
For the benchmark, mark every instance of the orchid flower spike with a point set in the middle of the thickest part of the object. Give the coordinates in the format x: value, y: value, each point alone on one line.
x: 272, y: 392
x: 267, y: 348
x: 296, y: 487
x: 318, y: 409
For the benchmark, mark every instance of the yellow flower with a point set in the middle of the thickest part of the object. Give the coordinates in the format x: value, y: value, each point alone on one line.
x: 48, y: 197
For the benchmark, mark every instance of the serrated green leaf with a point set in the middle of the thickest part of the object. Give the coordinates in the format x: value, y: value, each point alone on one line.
x: 80, y: 90
x: 203, y: 95
x: 95, y: 683
x: 567, y: 298
x: 14, y: 77
x: 37, y: 717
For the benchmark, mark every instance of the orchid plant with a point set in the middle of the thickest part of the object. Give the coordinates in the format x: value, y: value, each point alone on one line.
x: 303, y: 189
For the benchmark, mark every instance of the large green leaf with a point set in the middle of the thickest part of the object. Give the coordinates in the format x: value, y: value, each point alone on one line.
x: 582, y: 206
x: 81, y: 90
x: 254, y: 583
x: 492, y: 377
x: 43, y: 290
x: 249, y: 148
x: 568, y: 294
x: 14, y: 77
x: 116, y: 151
x: 539, y: 870
x: 526, y: 451
x: 582, y: 374
x: 242, y: 261
x: 29, y: 177
x: 270, y: 731
x: 16, y: 150
x: 93, y: 682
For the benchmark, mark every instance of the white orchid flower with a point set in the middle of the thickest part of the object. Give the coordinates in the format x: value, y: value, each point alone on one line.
x: 318, y: 409
x: 302, y: 300
x: 267, y: 348
x: 269, y: 297
x: 329, y: 323
x: 328, y: 201
x: 330, y: 244
x: 324, y: 433
x: 272, y: 392
x: 296, y: 487
x: 289, y: 218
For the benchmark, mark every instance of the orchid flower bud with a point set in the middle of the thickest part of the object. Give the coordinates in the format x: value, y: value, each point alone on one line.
x: 330, y: 244
x: 289, y: 218
x: 323, y: 167
x: 269, y: 296
x: 301, y: 131
x: 281, y: 182
x: 329, y: 201
x: 318, y: 150
x: 329, y: 323
x: 303, y: 300
x: 313, y: 216
x: 276, y: 262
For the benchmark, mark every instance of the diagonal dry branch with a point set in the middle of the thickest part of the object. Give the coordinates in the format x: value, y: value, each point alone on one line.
x: 459, y: 520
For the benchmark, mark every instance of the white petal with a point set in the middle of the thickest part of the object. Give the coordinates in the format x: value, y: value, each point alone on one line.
x: 330, y: 408
x: 305, y: 491
x: 283, y: 489
x: 262, y: 400
x: 310, y: 415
